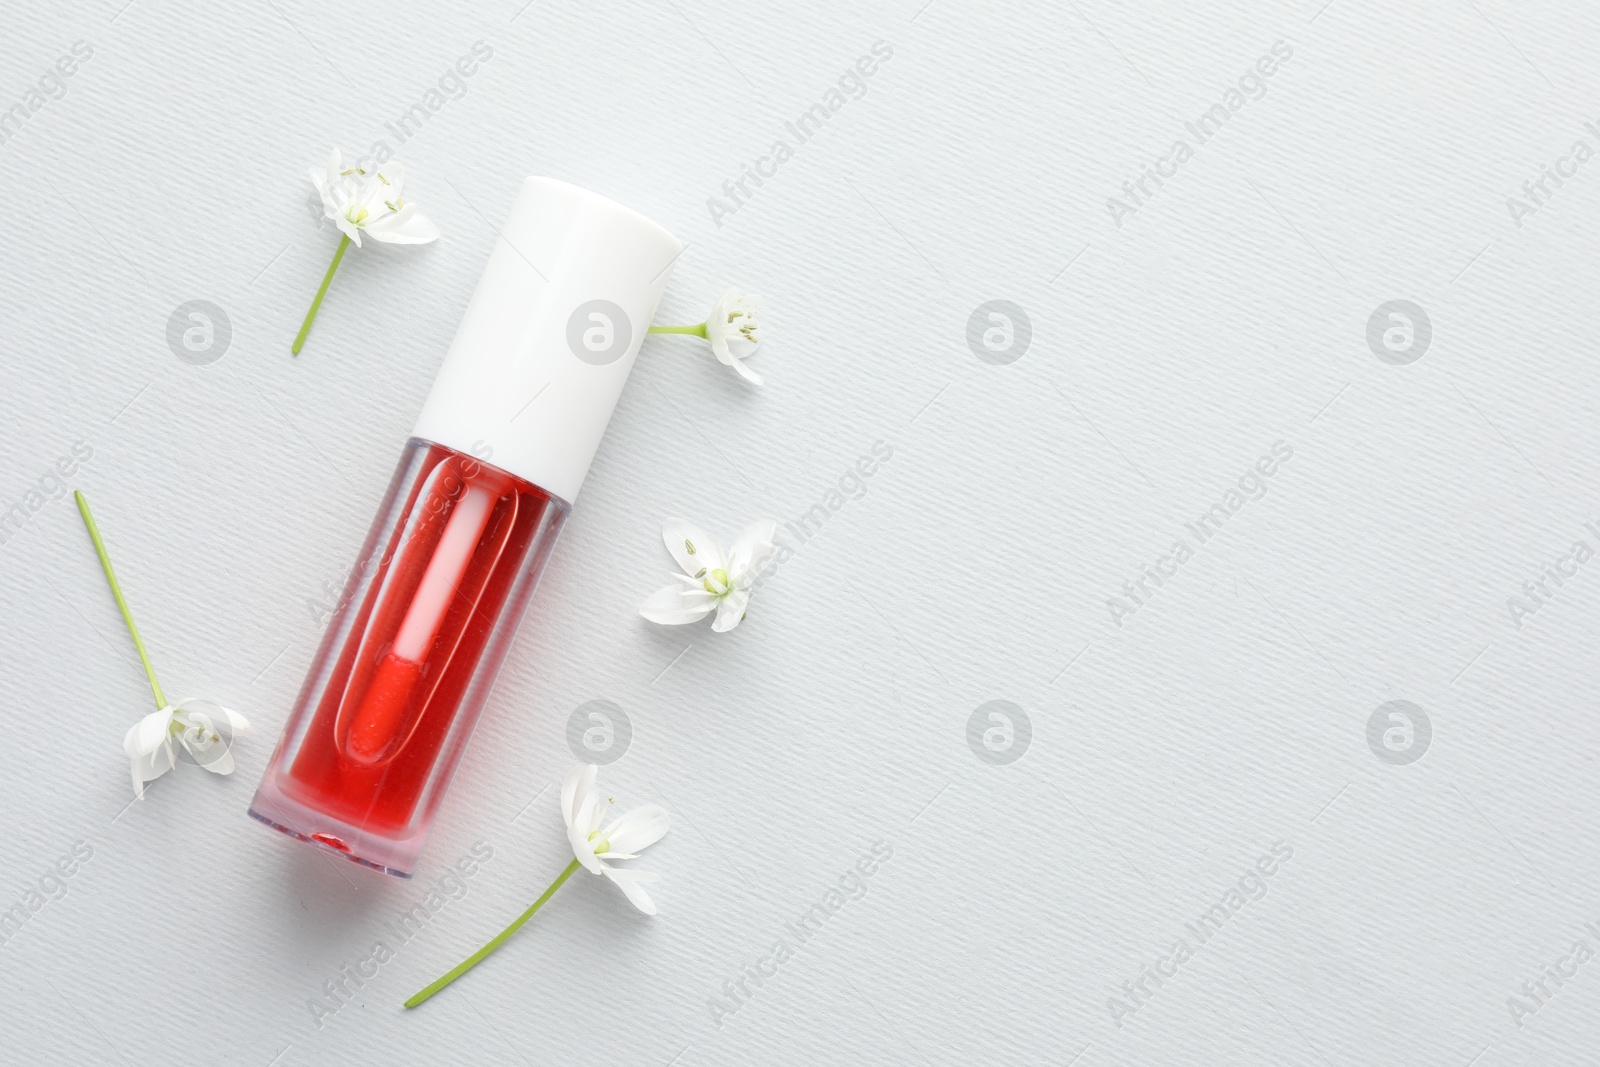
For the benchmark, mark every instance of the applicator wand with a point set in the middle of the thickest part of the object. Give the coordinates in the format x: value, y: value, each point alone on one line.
x: 384, y: 705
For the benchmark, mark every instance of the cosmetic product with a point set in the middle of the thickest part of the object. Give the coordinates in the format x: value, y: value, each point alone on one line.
x: 471, y: 515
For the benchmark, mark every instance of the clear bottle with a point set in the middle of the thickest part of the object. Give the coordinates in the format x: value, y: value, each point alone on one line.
x: 470, y: 518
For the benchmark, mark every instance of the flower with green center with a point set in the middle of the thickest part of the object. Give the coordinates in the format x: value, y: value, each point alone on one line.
x: 197, y: 725
x: 361, y: 200
x: 594, y: 842
x: 710, y: 582
x: 733, y: 327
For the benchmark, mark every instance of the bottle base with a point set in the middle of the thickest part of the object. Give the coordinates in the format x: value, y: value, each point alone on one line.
x: 337, y: 838
x: 408, y: 657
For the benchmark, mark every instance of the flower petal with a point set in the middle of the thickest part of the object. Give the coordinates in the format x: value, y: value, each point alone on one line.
x: 217, y: 760
x: 403, y: 227
x: 575, y: 789
x: 633, y: 891
x: 695, y: 550
x: 730, y: 611
x: 639, y: 829
x: 208, y: 732
x: 146, y: 735
x: 744, y: 372
x: 582, y: 823
x: 148, y: 745
x: 674, y: 606
x: 348, y: 228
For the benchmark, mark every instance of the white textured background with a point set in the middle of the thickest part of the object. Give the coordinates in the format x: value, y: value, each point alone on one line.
x: 1167, y: 754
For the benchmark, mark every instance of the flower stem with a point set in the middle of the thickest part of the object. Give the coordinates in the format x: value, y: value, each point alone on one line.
x: 473, y: 960
x: 697, y: 331
x: 116, y: 591
x: 305, y: 327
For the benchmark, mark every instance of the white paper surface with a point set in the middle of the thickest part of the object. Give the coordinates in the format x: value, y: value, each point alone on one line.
x: 1171, y: 744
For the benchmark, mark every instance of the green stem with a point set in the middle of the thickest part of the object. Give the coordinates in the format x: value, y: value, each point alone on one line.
x: 116, y: 591
x: 473, y: 960
x: 305, y: 327
x: 697, y: 331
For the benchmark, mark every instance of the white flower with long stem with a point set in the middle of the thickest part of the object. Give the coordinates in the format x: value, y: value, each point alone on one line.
x: 204, y: 729
x: 733, y: 327
x: 367, y: 201
x: 710, y: 582
x: 594, y: 841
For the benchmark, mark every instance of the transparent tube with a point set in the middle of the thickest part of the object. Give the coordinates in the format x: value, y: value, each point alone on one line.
x: 409, y: 657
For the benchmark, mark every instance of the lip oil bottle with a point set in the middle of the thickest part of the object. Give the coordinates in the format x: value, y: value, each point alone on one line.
x: 470, y: 517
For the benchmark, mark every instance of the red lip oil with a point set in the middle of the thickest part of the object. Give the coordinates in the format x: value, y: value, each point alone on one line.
x: 469, y: 520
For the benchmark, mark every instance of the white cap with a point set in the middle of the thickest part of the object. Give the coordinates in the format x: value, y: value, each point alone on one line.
x: 551, y: 333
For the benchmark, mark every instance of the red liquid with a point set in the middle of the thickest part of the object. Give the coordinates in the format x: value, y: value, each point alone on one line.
x: 405, y: 712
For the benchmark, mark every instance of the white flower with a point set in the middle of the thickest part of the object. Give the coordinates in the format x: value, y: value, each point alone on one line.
x: 369, y: 201
x: 733, y: 323
x: 195, y: 724
x: 593, y: 844
x: 710, y: 582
